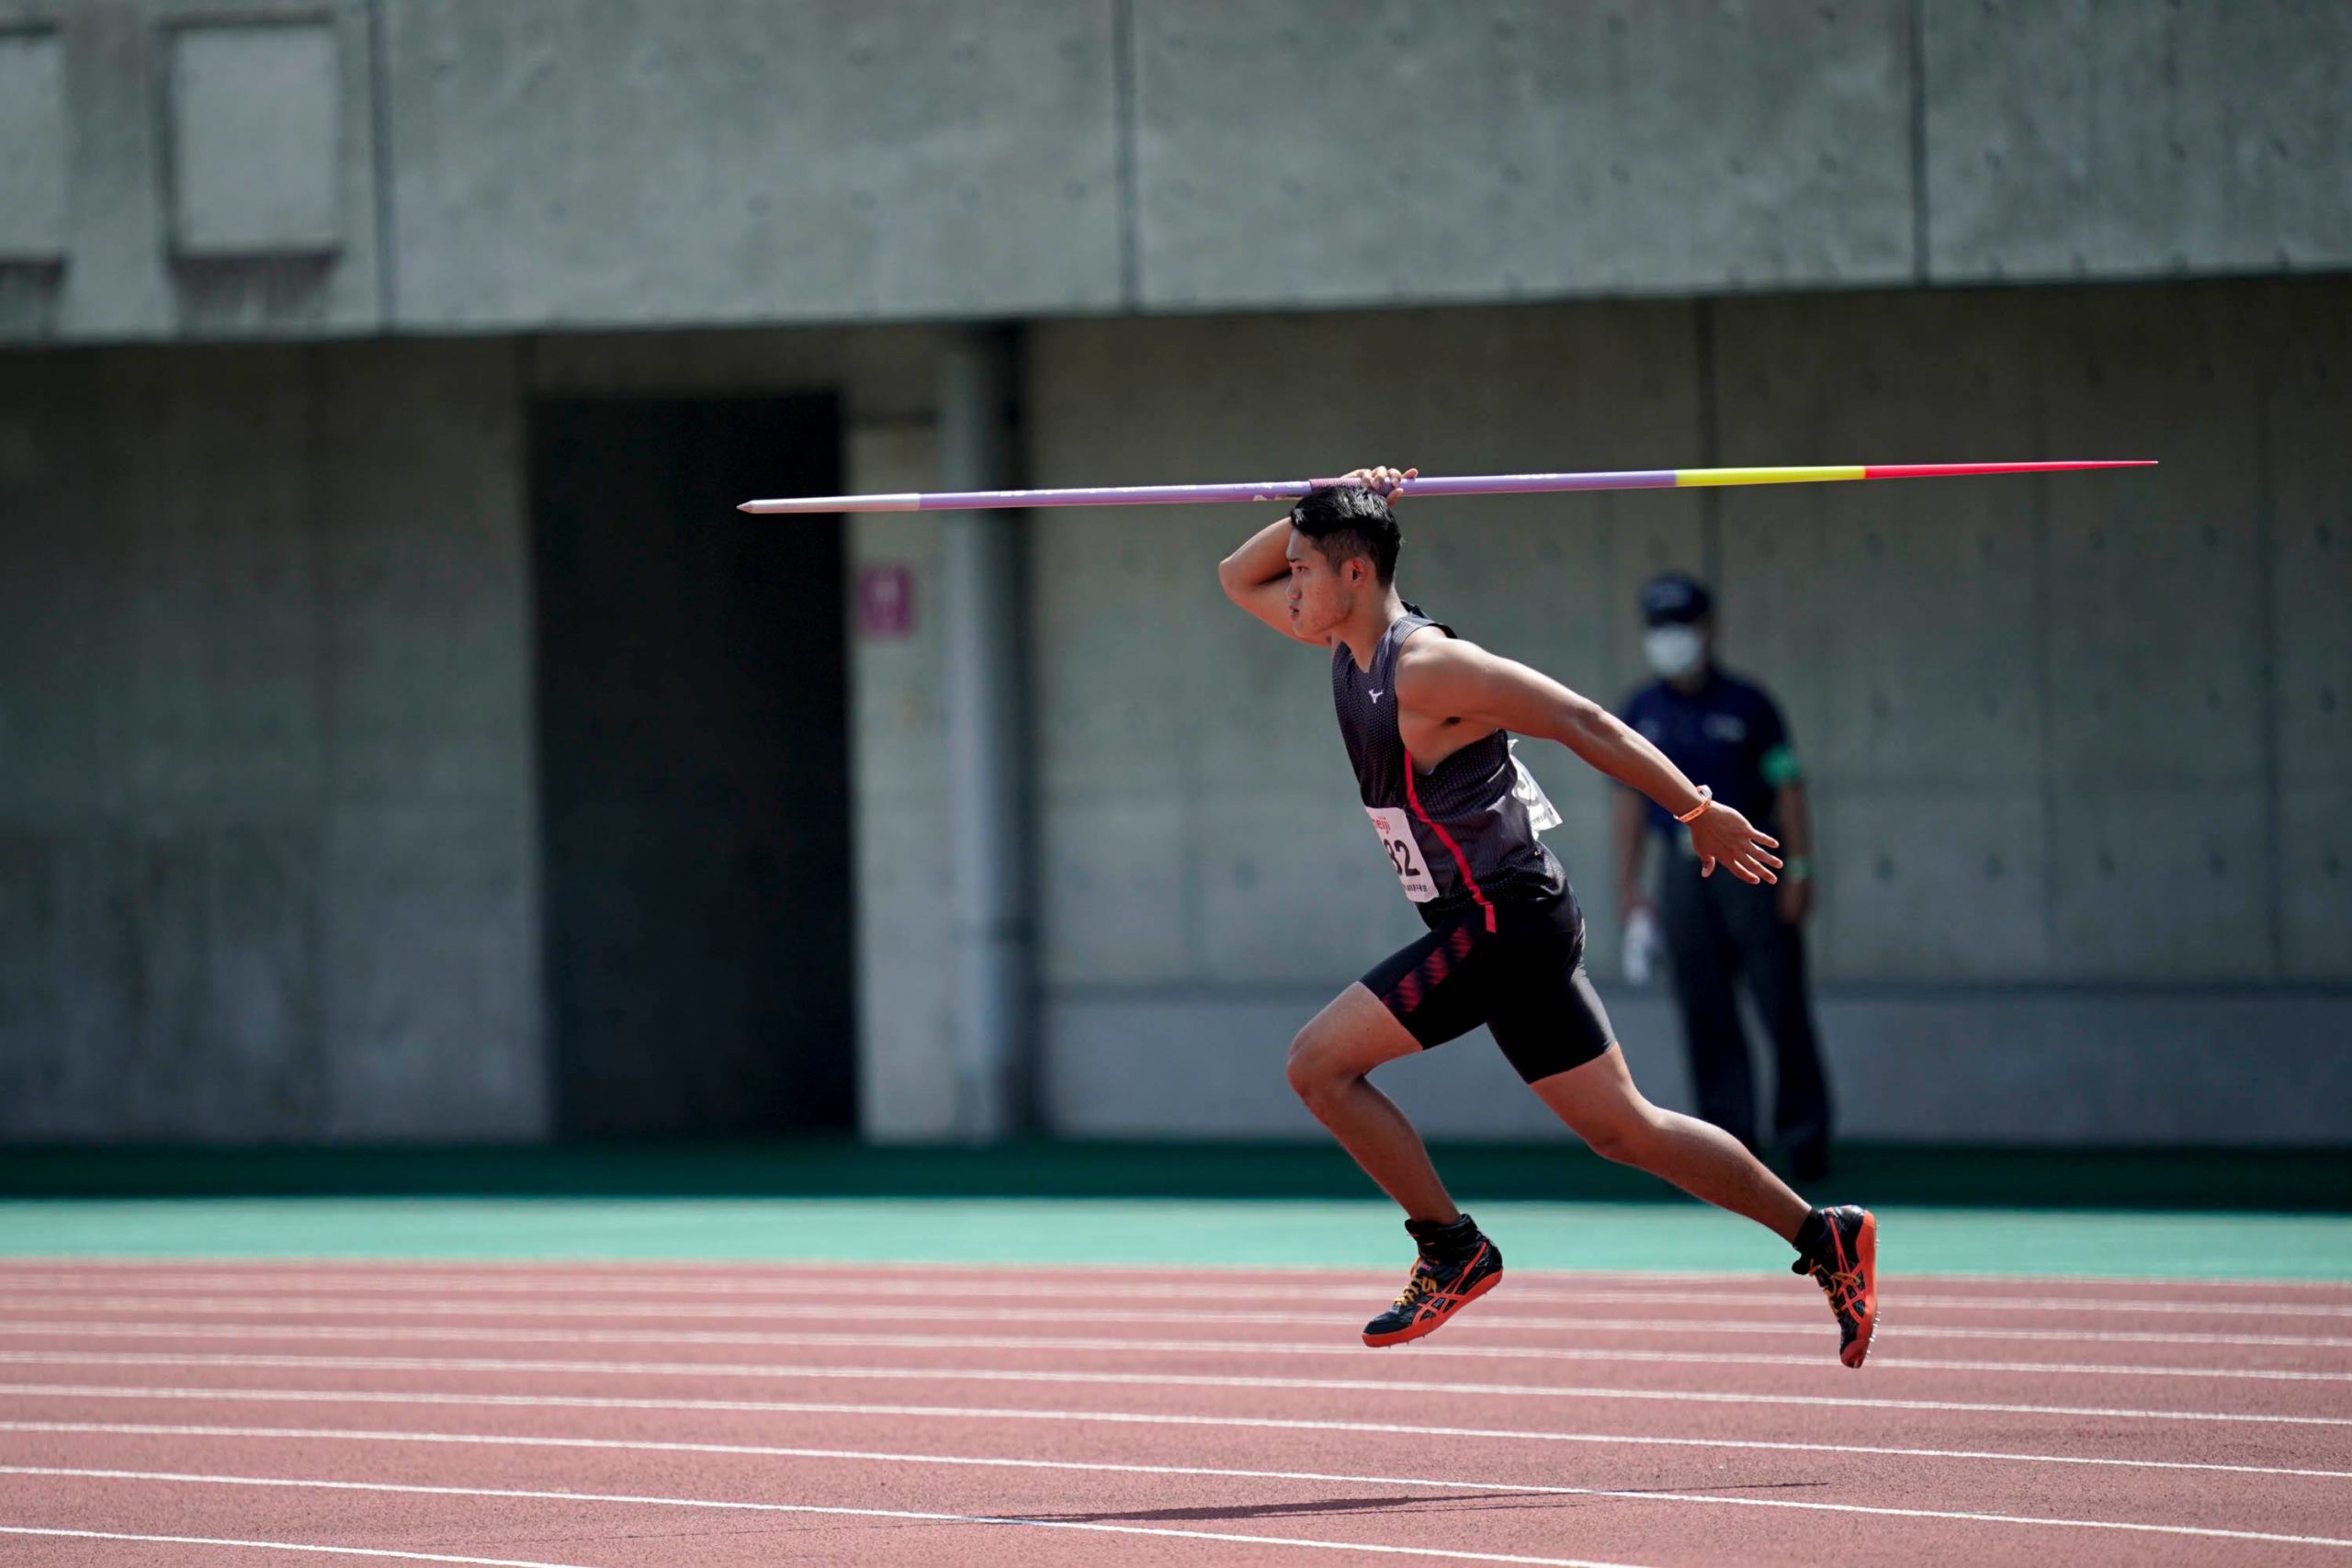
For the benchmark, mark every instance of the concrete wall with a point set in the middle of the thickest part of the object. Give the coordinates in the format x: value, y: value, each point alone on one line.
x: 323, y: 167
x: 2120, y: 699
x: 2061, y: 733
x: 702, y: 160
x: 267, y: 804
x: 2115, y: 139
x: 2080, y: 746
x: 268, y: 827
x: 215, y: 170
x: 1390, y: 152
x: 1967, y: 1063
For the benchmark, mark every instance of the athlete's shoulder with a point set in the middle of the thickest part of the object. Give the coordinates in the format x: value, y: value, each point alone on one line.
x: 1434, y: 646
x: 1421, y: 621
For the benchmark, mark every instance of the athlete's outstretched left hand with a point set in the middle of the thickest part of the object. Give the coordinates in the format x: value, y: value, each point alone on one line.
x: 1722, y: 834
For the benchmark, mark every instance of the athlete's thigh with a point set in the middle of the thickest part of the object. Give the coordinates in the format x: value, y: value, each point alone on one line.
x: 1593, y: 1098
x: 1352, y: 1035
x: 1543, y: 1012
x: 1440, y: 987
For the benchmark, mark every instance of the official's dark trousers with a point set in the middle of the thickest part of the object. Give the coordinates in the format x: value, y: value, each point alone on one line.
x: 1719, y: 929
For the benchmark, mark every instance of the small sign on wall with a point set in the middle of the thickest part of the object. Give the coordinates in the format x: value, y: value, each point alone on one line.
x: 885, y: 602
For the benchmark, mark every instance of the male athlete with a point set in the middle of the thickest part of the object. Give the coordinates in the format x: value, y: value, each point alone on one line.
x: 1427, y: 718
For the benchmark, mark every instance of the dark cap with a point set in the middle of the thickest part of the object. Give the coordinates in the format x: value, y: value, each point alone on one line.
x: 1674, y: 600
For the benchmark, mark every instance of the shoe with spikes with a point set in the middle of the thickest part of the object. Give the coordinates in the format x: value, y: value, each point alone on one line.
x: 1844, y: 1263
x: 1457, y: 1266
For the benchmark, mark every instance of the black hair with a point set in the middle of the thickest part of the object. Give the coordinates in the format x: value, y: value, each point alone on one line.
x: 1348, y: 521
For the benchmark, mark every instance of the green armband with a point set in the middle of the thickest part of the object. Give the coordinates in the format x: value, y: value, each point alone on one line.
x: 1780, y: 766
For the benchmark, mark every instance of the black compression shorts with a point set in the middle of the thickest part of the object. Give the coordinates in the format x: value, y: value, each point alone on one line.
x: 1524, y: 980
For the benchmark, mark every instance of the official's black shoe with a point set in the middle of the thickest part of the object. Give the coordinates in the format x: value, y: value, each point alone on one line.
x: 1457, y: 1266
x: 1843, y: 1260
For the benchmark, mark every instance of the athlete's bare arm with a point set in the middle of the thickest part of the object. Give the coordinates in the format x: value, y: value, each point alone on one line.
x: 1443, y: 680
x: 1256, y: 578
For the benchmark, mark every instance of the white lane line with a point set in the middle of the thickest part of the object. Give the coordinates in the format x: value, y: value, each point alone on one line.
x: 1112, y: 1418
x: 1072, y: 1284
x: 789, y: 1270
x: 1422, y: 1349
x: 1486, y: 1322
x: 281, y: 1546
x: 756, y: 1451
x: 1308, y: 1543
x: 822, y: 1371
x: 1911, y: 1301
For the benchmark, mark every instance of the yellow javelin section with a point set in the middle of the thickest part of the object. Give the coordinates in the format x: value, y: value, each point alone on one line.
x: 1685, y: 478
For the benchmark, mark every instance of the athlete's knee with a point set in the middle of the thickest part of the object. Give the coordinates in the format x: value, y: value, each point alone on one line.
x: 1307, y: 1074
x: 1624, y: 1131
x: 1316, y: 1070
x: 1614, y: 1138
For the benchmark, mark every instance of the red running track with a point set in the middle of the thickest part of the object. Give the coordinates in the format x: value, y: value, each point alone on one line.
x: 618, y: 1416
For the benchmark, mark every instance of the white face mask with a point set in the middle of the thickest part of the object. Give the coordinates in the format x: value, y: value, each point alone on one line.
x: 1674, y: 652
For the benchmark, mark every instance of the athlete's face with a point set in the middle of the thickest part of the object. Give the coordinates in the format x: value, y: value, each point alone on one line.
x: 1322, y: 595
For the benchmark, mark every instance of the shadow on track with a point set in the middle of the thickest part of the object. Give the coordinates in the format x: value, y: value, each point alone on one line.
x: 1444, y: 1502
x: 1449, y: 1502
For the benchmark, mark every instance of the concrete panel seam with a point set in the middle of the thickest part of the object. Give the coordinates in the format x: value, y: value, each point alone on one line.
x: 380, y: 116
x: 319, y: 525
x: 1122, y: 123
x: 2043, y: 677
x: 1917, y: 41
x: 1710, y: 499
x: 2266, y: 689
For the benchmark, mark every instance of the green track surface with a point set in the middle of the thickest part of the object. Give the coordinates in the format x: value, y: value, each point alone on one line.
x: 1341, y: 1233
x: 2207, y: 1213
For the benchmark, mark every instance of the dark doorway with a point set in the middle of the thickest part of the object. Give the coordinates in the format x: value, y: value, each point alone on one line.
x: 694, y: 778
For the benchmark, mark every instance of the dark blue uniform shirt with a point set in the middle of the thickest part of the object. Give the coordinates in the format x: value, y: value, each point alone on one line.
x: 1727, y: 735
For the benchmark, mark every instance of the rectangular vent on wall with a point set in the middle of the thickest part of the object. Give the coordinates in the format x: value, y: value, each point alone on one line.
x: 256, y: 121
x: 33, y: 142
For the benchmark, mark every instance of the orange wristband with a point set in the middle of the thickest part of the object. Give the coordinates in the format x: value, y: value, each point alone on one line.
x: 1706, y: 797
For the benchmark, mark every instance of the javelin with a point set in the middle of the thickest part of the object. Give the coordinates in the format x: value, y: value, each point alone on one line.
x: 1467, y: 484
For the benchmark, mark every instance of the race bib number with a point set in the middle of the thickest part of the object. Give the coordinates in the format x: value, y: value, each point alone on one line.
x: 1395, y: 830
